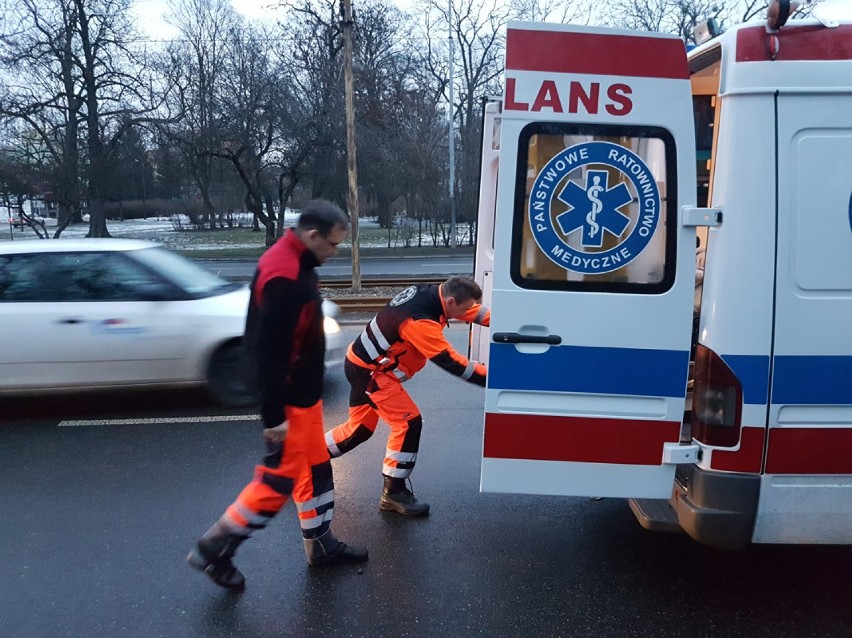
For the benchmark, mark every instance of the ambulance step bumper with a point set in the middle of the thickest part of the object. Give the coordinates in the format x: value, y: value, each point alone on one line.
x: 655, y: 514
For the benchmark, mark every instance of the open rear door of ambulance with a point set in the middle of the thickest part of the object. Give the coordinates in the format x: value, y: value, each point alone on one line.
x: 594, y: 264
x: 483, y: 263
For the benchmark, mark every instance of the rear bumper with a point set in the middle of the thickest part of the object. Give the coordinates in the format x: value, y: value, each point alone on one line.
x: 714, y: 508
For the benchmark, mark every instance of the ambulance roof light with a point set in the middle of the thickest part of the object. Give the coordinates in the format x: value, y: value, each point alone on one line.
x: 705, y: 30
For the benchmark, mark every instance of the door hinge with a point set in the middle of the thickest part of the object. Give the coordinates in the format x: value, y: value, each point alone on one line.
x: 701, y: 216
x: 678, y: 453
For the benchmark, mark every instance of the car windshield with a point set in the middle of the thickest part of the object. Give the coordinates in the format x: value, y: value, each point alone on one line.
x: 186, y: 274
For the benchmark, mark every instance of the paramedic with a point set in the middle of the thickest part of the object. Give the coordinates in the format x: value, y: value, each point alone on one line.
x: 285, y: 344
x: 392, y: 348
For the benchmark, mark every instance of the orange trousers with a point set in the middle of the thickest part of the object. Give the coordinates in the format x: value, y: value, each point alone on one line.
x: 375, y: 395
x: 301, y: 467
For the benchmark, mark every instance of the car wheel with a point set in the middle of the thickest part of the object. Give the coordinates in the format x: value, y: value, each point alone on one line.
x: 225, y: 381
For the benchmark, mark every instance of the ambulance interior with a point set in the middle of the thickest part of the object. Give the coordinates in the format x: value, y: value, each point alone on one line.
x: 704, y: 78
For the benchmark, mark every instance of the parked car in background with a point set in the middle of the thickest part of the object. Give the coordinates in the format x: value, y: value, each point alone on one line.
x: 19, y: 222
x: 114, y: 313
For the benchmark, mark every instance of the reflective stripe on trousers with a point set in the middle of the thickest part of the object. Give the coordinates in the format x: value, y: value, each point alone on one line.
x: 300, y: 467
x: 374, y: 396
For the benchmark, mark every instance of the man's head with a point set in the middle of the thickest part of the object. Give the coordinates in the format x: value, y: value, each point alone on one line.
x: 460, y: 293
x: 321, y: 227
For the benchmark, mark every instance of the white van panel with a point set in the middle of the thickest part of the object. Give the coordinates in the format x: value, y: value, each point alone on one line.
x: 512, y: 476
x: 610, y: 405
x: 736, y: 310
x: 804, y: 509
x: 806, y: 495
x: 817, y: 228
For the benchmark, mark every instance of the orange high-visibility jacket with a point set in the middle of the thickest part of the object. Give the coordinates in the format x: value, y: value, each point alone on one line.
x: 410, y: 330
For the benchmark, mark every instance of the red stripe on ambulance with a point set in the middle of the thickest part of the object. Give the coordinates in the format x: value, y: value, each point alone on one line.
x: 594, y: 54
x: 578, y: 439
x: 797, y: 43
x: 749, y: 456
x: 809, y: 451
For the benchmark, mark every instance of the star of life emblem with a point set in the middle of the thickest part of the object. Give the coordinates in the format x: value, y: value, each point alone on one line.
x: 403, y: 296
x: 594, y: 209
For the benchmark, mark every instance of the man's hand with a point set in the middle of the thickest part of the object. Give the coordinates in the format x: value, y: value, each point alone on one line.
x: 277, y: 434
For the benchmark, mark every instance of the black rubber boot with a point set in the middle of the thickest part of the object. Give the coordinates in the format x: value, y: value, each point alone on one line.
x: 212, y: 555
x: 396, y: 497
x: 328, y: 550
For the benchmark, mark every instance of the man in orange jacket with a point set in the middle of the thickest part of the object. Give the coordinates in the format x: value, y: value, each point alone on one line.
x: 393, y: 347
x: 286, y: 346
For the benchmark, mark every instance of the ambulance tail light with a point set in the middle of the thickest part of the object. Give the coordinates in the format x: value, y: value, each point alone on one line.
x: 717, y: 400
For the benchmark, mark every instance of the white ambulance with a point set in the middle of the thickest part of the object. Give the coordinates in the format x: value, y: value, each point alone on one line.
x: 608, y: 155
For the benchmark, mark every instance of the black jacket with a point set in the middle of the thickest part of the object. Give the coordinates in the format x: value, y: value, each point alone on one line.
x: 284, y: 338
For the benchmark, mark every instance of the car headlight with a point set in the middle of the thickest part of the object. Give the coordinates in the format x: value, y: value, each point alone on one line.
x: 330, y: 325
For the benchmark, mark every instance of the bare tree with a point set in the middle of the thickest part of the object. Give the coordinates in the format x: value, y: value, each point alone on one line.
x: 42, y: 92
x: 198, y: 59
x: 311, y: 31
x: 680, y: 16
x: 252, y: 118
x: 384, y: 78
x: 24, y: 175
x: 564, y: 11
x: 478, y: 30
x: 118, y: 92
x: 77, y: 78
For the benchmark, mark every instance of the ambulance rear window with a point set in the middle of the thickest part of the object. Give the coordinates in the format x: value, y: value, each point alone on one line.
x: 592, y: 209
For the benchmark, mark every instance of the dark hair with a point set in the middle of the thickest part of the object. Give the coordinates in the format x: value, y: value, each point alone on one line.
x: 462, y: 289
x: 322, y: 215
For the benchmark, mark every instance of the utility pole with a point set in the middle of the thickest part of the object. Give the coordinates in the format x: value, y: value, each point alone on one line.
x: 351, y: 165
x: 450, y: 137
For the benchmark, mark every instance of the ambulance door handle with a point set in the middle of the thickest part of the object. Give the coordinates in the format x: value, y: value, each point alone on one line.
x: 514, y: 337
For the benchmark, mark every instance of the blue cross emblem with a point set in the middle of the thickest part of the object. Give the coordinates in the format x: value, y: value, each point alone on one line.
x: 594, y: 209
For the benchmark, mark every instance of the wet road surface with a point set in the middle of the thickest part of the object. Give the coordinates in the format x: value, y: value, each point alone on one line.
x: 96, y: 520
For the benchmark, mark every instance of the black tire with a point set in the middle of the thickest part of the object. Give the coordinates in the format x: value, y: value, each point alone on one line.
x: 225, y: 382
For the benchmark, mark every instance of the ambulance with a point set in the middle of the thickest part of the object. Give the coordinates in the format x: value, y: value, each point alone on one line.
x: 609, y: 158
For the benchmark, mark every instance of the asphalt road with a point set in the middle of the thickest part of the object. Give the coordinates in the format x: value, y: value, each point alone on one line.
x: 372, y: 266
x: 96, y: 519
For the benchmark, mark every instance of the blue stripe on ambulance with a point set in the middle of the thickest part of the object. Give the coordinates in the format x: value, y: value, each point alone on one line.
x: 753, y: 372
x: 628, y: 371
x: 797, y: 380
x: 812, y: 380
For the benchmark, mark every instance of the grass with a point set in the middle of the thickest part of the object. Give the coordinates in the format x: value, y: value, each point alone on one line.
x: 239, y: 243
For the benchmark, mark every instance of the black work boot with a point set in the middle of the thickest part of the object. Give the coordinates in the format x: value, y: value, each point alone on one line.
x: 328, y: 550
x: 212, y: 555
x: 396, y: 497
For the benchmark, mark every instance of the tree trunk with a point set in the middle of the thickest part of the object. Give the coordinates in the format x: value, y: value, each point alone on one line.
x: 284, y: 195
x: 270, y: 220
x: 97, y: 163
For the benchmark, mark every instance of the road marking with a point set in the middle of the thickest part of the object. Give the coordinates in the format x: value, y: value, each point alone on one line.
x: 177, y: 419
x: 448, y: 265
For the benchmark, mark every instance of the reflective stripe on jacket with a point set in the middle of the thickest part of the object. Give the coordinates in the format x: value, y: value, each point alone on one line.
x: 410, y: 330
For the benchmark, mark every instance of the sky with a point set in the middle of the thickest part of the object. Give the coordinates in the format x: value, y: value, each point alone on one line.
x: 151, y: 12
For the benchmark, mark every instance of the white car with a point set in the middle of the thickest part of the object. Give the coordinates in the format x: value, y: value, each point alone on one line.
x: 115, y: 313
